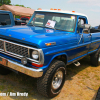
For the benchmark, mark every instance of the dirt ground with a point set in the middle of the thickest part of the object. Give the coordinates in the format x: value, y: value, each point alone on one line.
x: 81, y: 83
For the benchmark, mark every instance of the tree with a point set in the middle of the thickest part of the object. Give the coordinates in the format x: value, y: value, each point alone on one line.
x: 20, y: 5
x: 7, y: 2
x: 28, y: 7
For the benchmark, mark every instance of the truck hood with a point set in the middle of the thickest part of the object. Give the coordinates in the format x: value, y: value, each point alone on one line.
x: 36, y: 35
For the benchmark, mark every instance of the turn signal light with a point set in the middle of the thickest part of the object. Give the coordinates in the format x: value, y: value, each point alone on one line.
x: 48, y: 44
x: 73, y: 11
x: 54, y: 9
x: 39, y: 9
x: 59, y: 9
x: 51, y: 9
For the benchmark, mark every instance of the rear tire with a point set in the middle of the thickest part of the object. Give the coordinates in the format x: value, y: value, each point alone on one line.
x: 4, y: 71
x: 51, y: 83
x: 95, y: 58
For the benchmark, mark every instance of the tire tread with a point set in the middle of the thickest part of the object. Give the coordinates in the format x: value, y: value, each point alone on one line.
x: 42, y: 82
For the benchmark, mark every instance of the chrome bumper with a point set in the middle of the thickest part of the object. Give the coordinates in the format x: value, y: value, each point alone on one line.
x: 21, y: 68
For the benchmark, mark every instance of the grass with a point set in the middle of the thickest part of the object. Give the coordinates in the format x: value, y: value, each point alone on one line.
x: 81, y: 83
x: 2, y: 87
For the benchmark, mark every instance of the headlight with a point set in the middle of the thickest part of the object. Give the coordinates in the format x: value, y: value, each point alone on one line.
x: 35, y: 55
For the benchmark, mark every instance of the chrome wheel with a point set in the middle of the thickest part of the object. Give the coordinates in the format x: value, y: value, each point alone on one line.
x: 57, y: 80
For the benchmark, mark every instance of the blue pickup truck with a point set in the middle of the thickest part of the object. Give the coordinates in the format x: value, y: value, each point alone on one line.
x: 43, y: 48
x: 6, y: 18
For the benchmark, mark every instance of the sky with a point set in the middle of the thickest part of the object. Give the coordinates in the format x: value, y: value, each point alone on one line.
x: 91, y: 8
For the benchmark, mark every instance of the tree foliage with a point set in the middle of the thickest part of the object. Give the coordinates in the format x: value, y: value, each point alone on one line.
x: 7, y: 2
x: 28, y: 7
x: 20, y: 5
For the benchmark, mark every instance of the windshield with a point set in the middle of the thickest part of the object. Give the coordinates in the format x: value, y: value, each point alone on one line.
x: 56, y: 21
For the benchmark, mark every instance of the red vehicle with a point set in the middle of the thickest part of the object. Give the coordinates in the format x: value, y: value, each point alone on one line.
x: 24, y: 18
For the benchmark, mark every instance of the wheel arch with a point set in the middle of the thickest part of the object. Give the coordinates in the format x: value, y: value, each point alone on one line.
x: 62, y: 56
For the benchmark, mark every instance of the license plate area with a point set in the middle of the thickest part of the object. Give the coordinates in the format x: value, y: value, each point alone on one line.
x: 3, y: 61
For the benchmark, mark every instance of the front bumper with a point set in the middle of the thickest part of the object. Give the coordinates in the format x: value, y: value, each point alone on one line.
x: 21, y: 68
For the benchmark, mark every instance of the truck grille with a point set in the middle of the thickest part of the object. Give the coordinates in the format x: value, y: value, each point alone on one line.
x: 16, y: 49
x: 1, y: 45
x: 13, y: 48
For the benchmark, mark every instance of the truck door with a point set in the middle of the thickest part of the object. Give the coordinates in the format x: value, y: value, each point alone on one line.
x: 95, y: 41
x: 83, y: 39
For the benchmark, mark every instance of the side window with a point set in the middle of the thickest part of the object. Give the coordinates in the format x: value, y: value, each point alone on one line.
x: 81, y: 22
x: 5, y: 19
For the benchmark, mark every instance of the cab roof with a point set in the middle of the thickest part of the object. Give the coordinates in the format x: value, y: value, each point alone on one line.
x: 63, y: 12
x: 4, y: 11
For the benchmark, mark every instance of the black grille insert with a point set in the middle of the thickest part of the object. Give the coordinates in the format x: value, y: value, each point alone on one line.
x: 1, y: 44
x: 16, y: 49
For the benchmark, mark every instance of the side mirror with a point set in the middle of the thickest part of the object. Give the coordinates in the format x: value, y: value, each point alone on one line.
x: 86, y: 28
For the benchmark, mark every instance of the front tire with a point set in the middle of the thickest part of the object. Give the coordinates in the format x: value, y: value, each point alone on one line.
x: 52, y: 82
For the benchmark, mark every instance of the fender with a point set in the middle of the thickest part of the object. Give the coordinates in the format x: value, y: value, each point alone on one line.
x: 56, y: 56
x: 45, y: 68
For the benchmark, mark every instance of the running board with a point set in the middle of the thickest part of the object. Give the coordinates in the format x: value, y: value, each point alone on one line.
x: 77, y: 63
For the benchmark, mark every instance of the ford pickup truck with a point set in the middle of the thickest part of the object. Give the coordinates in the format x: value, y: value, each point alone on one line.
x: 43, y: 48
